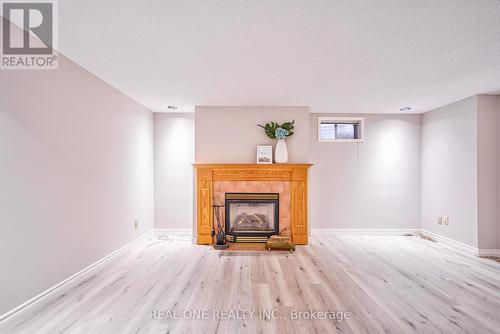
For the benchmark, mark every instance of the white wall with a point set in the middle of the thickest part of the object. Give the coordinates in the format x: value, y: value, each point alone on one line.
x: 76, y: 170
x: 174, y: 154
x: 371, y: 185
x: 487, y: 151
x: 498, y: 173
x: 231, y: 134
x: 449, y: 171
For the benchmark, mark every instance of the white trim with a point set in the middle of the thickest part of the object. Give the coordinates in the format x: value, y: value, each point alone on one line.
x: 173, y: 231
x: 9, y: 314
x: 489, y: 252
x: 379, y: 232
x: 457, y: 245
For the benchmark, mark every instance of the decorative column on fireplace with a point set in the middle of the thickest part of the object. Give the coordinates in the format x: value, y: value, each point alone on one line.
x: 251, y: 217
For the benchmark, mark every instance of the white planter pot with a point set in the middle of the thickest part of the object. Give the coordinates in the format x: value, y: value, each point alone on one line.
x: 281, y: 152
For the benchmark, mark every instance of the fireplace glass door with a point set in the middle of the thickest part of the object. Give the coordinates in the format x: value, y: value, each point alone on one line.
x: 252, y: 214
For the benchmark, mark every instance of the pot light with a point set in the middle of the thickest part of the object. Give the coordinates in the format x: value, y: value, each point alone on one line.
x: 172, y: 107
x: 405, y: 109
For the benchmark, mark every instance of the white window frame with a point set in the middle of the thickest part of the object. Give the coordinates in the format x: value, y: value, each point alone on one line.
x: 334, y: 119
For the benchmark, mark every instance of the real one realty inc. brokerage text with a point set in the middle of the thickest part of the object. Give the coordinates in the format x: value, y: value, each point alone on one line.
x: 247, y: 314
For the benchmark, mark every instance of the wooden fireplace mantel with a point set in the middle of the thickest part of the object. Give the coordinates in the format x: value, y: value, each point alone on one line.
x: 296, y: 174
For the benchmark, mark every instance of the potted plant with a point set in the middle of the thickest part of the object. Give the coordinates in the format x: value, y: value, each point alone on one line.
x: 276, y: 131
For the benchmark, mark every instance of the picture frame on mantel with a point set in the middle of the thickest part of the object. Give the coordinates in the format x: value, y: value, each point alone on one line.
x: 264, y: 154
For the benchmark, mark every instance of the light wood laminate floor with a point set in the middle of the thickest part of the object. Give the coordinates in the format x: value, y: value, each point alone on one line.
x: 387, y: 284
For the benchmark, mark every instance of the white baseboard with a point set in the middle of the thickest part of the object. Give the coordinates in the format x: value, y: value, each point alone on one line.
x: 173, y: 231
x: 24, y: 306
x: 460, y: 246
x: 489, y: 253
x: 457, y: 245
x: 374, y: 232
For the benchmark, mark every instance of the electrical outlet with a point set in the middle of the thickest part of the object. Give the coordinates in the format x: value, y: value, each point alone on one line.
x: 136, y: 224
x: 443, y: 220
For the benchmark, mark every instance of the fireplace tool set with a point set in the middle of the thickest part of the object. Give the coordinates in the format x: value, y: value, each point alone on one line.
x: 220, y: 236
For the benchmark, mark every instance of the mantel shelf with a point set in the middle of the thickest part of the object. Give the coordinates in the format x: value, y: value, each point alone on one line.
x: 250, y: 165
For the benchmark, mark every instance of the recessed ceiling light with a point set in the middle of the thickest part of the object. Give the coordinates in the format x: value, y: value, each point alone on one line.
x: 405, y: 109
x: 172, y: 107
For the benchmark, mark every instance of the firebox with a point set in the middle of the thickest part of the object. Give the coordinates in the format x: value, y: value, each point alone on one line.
x: 251, y: 217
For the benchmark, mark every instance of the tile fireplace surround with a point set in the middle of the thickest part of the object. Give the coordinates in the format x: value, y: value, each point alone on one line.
x: 288, y: 180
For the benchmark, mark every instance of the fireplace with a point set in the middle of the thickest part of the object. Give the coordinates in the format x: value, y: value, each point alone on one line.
x: 251, y: 217
x: 214, y: 181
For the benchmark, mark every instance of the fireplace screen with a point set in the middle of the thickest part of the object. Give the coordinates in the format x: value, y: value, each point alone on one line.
x: 252, y: 214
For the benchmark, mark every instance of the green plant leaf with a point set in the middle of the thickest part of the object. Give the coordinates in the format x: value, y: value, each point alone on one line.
x: 270, y: 128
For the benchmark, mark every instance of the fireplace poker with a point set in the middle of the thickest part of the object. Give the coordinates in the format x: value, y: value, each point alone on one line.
x: 220, y: 236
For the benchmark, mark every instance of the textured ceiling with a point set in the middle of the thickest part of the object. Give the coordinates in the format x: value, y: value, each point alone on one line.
x: 358, y: 56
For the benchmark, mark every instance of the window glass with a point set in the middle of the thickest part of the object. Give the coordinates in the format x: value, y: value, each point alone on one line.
x: 327, y: 131
x: 340, y: 129
x: 345, y: 131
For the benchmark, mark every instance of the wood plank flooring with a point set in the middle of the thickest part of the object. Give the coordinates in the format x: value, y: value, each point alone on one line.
x: 387, y: 284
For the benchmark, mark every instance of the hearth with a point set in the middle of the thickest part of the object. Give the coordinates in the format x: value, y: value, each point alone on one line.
x: 251, y: 217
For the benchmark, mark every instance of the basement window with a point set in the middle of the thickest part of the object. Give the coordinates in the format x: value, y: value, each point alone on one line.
x: 341, y: 129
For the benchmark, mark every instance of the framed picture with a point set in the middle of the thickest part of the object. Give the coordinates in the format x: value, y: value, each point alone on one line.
x: 264, y: 154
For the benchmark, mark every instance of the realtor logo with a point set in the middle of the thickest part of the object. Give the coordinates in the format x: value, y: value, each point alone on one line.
x: 29, y: 34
